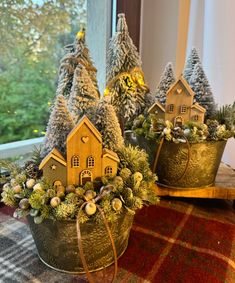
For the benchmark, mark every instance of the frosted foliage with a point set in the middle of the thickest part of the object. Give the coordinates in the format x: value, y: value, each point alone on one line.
x: 167, y: 79
x: 122, y: 53
x: 59, y: 125
x: 124, y: 100
x: 203, y: 94
x: 82, y: 53
x: 107, y: 123
x: 76, y: 52
x: 84, y: 96
x: 149, y: 101
x: 192, y: 60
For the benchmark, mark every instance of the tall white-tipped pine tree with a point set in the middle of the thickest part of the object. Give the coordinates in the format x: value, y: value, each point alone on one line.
x: 192, y: 60
x: 59, y: 125
x: 77, y: 52
x: 123, y: 57
x: 106, y: 122
x: 123, y: 100
x: 122, y: 53
x: 84, y: 96
x: 203, y: 94
x: 166, y: 80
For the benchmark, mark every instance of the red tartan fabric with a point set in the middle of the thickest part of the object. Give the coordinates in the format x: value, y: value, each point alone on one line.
x: 174, y: 245
x: 183, y: 241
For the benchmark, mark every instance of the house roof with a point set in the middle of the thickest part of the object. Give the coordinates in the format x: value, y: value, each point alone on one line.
x: 55, y: 154
x: 85, y: 120
x: 156, y: 104
x: 199, y: 107
x: 111, y: 154
x: 186, y: 85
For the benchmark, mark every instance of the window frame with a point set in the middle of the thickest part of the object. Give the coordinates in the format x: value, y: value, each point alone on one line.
x: 183, y: 107
x: 75, y: 159
x: 108, y: 170
x: 90, y: 161
x: 171, y: 108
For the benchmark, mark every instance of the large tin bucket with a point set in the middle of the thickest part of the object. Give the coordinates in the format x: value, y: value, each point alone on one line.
x: 181, y: 165
x: 57, y: 243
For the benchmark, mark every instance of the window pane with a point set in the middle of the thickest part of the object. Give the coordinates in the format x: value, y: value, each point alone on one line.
x: 33, y: 34
x: 90, y: 162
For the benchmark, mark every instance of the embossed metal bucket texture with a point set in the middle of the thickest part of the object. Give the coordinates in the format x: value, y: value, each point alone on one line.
x: 181, y: 167
x: 57, y: 243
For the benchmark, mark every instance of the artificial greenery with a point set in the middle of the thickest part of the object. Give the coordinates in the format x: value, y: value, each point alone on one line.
x: 153, y: 128
x: 129, y: 190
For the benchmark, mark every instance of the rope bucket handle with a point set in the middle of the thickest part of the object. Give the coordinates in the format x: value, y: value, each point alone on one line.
x: 81, y: 251
x: 158, y: 150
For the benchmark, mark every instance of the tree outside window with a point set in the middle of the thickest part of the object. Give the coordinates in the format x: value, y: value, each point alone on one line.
x: 33, y: 34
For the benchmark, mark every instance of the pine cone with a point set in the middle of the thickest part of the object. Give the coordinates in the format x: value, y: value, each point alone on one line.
x: 32, y: 170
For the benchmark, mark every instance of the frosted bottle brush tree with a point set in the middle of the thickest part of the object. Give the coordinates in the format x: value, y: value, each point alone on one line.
x: 123, y: 100
x: 192, y: 60
x: 75, y: 53
x: 125, y: 79
x: 84, y: 95
x: 122, y: 53
x: 106, y: 122
x: 203, y: 94
x: 166, y: 80
x: 59, y: 125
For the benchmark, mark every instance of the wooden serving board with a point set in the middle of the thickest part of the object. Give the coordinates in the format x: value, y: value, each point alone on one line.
x: 224, y: 187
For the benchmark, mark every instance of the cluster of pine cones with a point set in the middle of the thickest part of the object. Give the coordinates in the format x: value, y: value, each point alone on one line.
x: 32, y: 170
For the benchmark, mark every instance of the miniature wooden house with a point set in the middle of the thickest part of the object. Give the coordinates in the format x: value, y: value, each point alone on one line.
x: 54, y: 167
x: 159, y: 109
x: 86, y: 161
x: 180, y: 106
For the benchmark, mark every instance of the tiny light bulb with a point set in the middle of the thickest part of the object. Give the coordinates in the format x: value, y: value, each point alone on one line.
x: 106, y: 92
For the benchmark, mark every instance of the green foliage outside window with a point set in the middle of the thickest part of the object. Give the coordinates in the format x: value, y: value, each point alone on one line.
x: 33, y: 34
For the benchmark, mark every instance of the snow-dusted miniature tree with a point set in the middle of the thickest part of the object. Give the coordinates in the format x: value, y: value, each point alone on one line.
x: 84, y: 97
x: 166, y: 80
x: 124, y: 60
x: 59, y: 125
x: 192, y: 60
x: 203, y: 94
x: 123, y: 99
x: 107, y: 123
x: 122, y: 53
x: 75, y: 53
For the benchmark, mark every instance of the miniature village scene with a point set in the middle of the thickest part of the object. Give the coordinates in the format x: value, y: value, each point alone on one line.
x: 184, y: 109
x: 84, y: 161
x: 89, y: 170
x: 85, y: 156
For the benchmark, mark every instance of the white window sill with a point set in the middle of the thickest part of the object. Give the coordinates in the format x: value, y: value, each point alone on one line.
x: 19, y: 148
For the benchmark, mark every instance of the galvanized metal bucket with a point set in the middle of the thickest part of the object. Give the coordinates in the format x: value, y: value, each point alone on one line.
x: 182, y: 166
x: 57, y: 243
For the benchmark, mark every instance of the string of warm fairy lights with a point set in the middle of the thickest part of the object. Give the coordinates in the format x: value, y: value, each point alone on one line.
x: 134, y: 77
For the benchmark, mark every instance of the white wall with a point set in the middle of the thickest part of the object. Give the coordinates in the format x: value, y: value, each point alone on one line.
x: 98, y: 34
x: 211, y: 31
x: 217, y: 51
x: 158, y: 37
